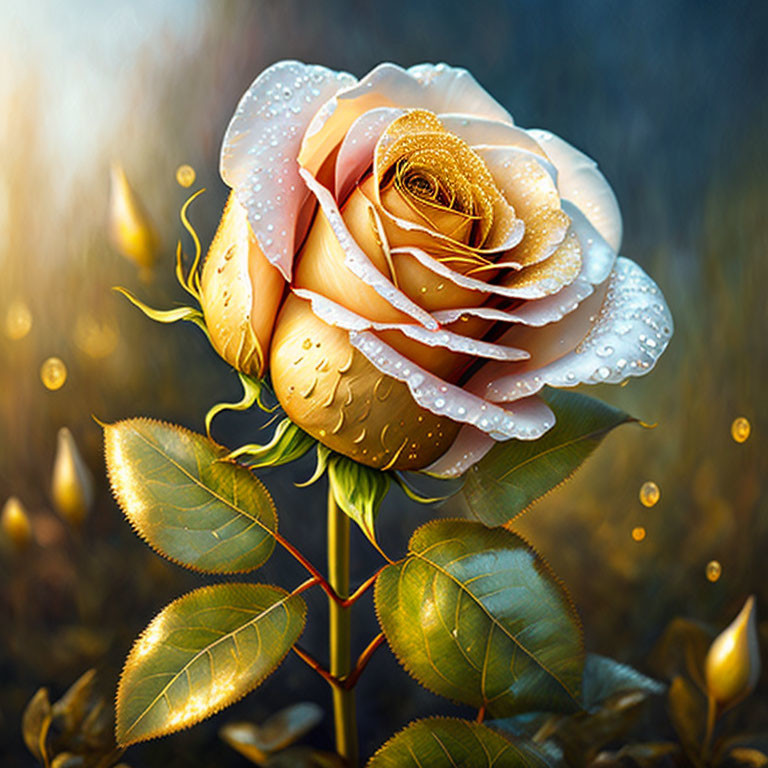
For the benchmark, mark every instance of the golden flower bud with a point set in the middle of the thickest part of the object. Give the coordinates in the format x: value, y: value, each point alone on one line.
x: 130, y: 229
x: 333, y: 392
x: 732, y: 666
x: 14, y: 521
x: 240, y: 293
x: 72, y: 488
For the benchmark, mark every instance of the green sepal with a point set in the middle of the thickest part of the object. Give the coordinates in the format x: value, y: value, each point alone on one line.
x: 190, y: 314
x: 253, y: 391
x: 288, y: 443
x: 323, y: 455
x: 358, y: 490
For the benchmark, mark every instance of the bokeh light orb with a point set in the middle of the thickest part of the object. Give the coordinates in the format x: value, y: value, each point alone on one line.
x: 53, y: 373
x: 713, y: 570
x: 18, y: 320
x: 740, y: 429
x: 638, y: 533
x: 649, y: 493
x: 185, y: 175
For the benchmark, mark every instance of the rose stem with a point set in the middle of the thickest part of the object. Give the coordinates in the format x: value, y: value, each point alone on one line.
x: 344, y: 715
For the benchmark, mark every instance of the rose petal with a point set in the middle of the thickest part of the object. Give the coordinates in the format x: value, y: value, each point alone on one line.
x: 356, y: 152
x: 598, y: 256
x: 619, y: 332
x: 580, y: 181
x: 437, y: 88
x: 482, y: 132
x: 470, y: 445
x: 358, y: 262
x: 261, y: 144
x: 335, y: 314
x: 453, y: 89
x: 439, y: 397
x: 535, y: 313
x: 522, y: 177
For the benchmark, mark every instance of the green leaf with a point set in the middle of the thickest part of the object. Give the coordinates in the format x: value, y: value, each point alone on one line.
x: 648, y: 755
x: 203, y: 652
x: 323, y: 457
x: 604, y: 677
x: 515, y: 473
x: 190, y: 506
x: 475, y: 615
x: 253, y: 390
x: 35, y: 723
x: 358, y: 490
x: 288, y: 443
x: 444, y: 742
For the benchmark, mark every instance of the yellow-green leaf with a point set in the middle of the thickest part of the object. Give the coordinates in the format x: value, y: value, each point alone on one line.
x: 203, y: 652
x: 187, y: 503
x: 515, y: 473
x: 446, y: 742
x: 475, y: 615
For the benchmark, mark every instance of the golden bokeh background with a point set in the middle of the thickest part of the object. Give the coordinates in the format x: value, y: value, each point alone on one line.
x: 671, y: 99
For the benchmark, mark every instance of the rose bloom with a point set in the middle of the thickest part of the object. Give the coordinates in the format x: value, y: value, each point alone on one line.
x: 411, y: 268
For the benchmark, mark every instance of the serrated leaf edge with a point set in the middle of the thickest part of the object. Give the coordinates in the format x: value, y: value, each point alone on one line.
x: 143, y: 536
x: 443, y: 719
x: 224, y: 704
x: 545, y: 564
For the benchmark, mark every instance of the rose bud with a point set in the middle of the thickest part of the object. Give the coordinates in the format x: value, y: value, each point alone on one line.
x: 130, y: 229
x: 732, y: 665
x: 72, y: 488
x: 14, y: 521
x: 411, y: 268
x: 240, y: 293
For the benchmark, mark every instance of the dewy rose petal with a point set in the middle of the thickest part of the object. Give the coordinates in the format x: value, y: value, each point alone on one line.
x: 435, y: 265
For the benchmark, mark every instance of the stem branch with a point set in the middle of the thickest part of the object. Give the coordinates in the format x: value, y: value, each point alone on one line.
x: 363, y: 660
x: 313, y: 663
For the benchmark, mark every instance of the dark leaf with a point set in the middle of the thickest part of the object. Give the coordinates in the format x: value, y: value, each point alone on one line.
x: 515, y: 473
x: 475, y: 615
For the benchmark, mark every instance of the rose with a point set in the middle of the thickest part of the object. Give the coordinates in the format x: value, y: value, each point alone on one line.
x: 412, y: 268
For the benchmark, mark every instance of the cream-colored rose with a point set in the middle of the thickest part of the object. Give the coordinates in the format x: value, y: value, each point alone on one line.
x: 412, y: 268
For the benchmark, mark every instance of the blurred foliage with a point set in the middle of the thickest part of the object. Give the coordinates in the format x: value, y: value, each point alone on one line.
x: 671, y: 98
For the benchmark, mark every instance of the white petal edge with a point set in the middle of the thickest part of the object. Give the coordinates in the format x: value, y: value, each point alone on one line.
x: 481, y: 131
x: 455, y: 403
x: 437, y: 88
x: 581, y: 182
x: 334, y: 314
x: 470, y: 445
x: 628, y: 335
x: 454, y: 89
x: 357, y: 261
x: 356, y: 151
x: 534, y: 313
x: 261, y: 145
